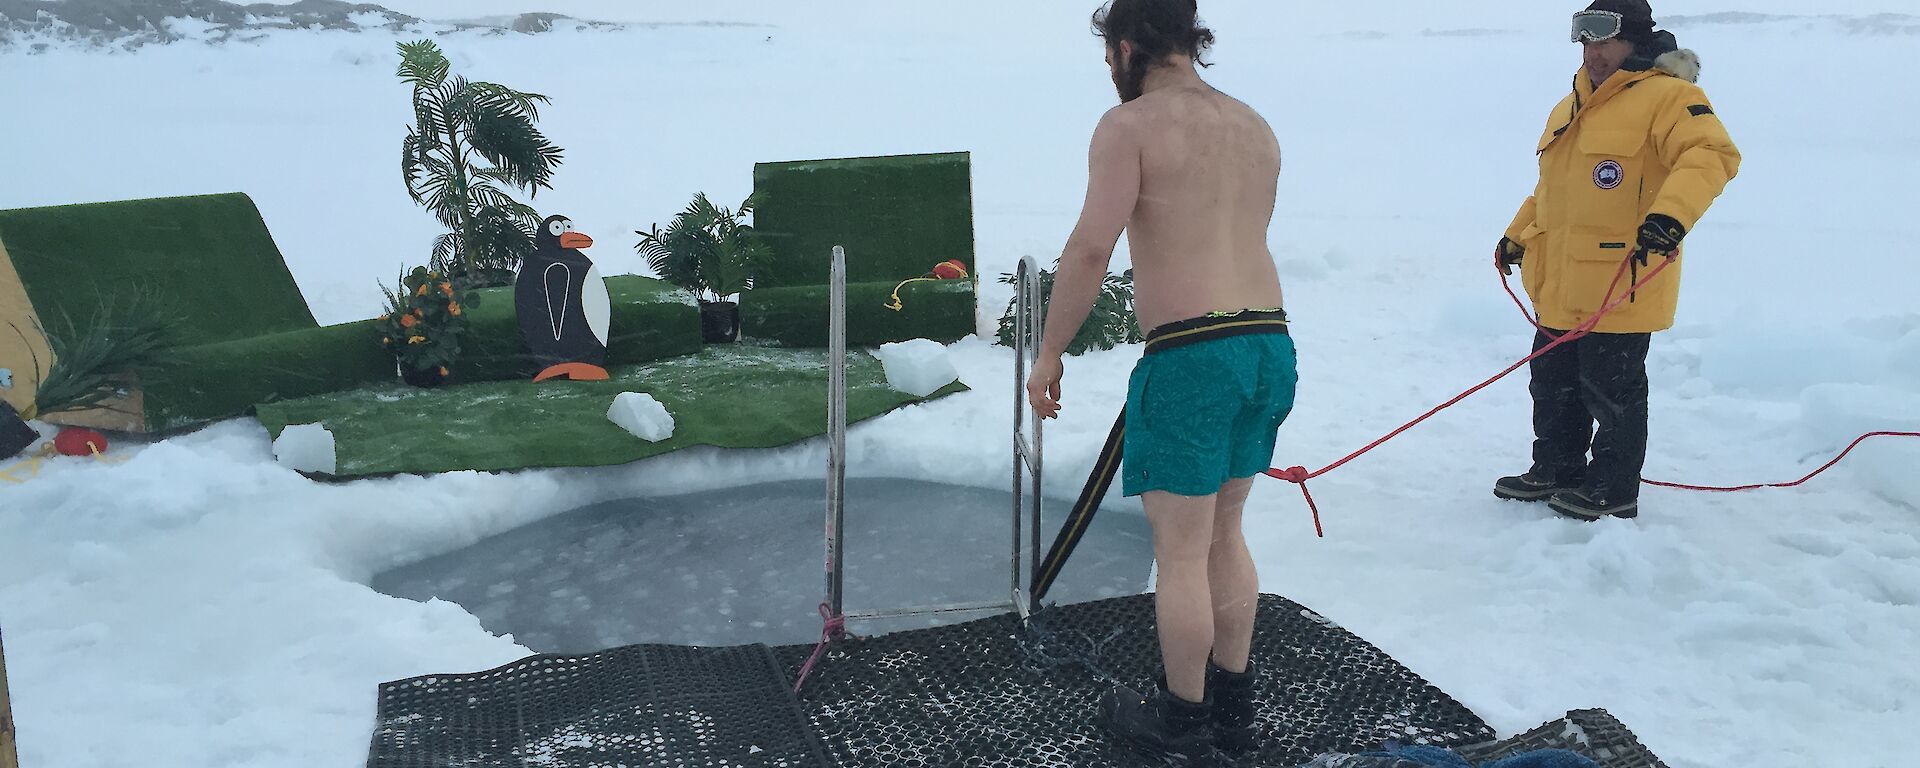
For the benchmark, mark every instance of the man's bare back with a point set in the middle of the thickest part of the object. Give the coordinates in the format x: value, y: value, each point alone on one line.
x: 1209, y: 168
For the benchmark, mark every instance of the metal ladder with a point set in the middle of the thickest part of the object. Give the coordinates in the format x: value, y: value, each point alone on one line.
x: 1026, y: 452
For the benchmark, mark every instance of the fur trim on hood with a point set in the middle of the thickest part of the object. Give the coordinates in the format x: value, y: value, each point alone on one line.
x: 1682, y: 63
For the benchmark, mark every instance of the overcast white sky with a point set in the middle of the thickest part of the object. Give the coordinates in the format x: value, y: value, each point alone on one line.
x: 1361, y: 12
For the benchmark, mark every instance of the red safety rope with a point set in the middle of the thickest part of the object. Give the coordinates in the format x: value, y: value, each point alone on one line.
x: 832, y: 628
x: 1508, y: 285
x: 1299, y: 475
x: 1811, y: 475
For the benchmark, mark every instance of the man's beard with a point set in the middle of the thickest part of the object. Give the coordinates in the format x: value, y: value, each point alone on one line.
x: 1129, y: 80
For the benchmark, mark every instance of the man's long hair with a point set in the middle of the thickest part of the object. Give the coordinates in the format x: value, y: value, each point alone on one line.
x: 1157, y: 29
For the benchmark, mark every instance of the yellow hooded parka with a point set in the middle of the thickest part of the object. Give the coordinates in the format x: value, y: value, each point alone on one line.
x: 1643, y: 142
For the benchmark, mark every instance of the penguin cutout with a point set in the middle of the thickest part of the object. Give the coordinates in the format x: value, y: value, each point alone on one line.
x: 562, y: 305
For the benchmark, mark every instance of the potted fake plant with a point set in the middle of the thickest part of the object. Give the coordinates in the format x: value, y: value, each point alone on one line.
x: 422, y: 325
x: 708, y: 251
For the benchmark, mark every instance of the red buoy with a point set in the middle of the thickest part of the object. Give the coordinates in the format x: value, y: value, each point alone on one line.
x: 78, y: 441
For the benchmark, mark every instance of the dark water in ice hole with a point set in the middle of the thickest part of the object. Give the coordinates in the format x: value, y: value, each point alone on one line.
x: 745, y: 565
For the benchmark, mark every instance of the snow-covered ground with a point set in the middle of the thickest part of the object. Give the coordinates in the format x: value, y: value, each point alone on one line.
x: 197, y: 605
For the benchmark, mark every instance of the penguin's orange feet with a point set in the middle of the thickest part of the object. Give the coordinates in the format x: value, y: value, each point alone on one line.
x: 574, y: 371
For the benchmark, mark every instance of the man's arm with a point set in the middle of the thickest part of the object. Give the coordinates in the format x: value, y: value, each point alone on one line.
x: 1113, y: 189
x: 1692, y: 142
x: 1524, y: 219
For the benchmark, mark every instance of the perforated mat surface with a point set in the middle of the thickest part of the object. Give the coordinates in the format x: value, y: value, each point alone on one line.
x: 1591, y: 732
x: 988, y: 693
x: 991, y: 694
x: 645, y: 705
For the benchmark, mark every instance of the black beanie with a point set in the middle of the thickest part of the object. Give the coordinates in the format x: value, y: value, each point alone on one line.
x: 1636, y: 18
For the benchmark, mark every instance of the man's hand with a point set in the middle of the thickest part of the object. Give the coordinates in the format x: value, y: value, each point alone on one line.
x: 1660, y: 234
x: 1507, y: 255
x: 1043, y: 386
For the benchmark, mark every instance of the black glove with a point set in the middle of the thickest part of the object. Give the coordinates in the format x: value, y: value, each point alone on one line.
x: 1660, y: 234
x: 1507, y: 255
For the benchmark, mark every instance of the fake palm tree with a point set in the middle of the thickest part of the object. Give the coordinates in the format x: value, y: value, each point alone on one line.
x: 470, y: 142
x: 92, y: 359
x: 1109, y: 324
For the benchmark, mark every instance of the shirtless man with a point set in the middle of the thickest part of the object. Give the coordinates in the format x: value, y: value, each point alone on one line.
x: 1190, y: 175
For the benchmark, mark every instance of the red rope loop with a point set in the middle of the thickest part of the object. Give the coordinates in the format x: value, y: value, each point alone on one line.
x: 1291, y: 474
x: 832, y: 628
x: 1299, y: 476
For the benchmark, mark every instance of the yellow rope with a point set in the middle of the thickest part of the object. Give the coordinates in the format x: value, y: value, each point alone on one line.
x: 896, y: 305
x: 31, y: 466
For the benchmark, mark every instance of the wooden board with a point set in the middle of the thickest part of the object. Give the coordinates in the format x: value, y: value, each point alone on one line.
x: 9, y: 756
x: 23, y: 350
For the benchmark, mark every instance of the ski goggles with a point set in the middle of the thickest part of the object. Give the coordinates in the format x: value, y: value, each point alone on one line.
x: 1595, y: 26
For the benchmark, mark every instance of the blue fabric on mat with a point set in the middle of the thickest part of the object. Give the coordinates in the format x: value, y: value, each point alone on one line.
x: 1435, y: 757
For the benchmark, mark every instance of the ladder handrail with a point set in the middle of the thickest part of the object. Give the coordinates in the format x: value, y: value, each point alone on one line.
x: 1026, y: 453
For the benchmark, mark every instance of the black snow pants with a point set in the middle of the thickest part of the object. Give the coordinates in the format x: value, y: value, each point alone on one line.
x: 1597, y: 380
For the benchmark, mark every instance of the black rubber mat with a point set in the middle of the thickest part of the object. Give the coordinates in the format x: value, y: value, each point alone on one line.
x: 646, y: 705
x: 993, y: 694
x: 990, y: 693
x: 1590, y: 732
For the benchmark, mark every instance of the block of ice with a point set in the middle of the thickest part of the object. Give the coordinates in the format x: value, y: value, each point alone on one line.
x: 642, y: 415
x: 919, y: 367
x: 306, y: 448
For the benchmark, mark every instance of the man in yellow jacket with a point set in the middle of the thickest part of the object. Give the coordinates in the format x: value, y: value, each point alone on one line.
x: 1629, y: 162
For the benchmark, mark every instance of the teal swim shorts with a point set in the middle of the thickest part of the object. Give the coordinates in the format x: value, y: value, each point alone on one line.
x: 1202, y: 414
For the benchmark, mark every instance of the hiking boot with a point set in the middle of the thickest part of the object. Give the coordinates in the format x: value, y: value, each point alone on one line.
x: 1161, y: 725
x: 1532, y: 486
x: 1236, y: 728
x: 1590, y: 505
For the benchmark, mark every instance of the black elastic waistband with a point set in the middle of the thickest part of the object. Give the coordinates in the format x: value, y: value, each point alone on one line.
x: 1183, y: 332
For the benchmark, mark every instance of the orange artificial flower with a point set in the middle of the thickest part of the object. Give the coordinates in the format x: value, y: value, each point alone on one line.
x: 417, y: 340
x: 453, y: 308
x: 443, y: 370
x: 386, y: 340
x: 407, y: 321
x: 383, y: 318
x: 447, y: 288
x: 422, y: 291
x: 419, y: 313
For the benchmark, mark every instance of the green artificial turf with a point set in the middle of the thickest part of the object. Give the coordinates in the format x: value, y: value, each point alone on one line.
x: 727, y: 396
x: 897, y: 217
x: 797, y: 316
x: 208, y: 258
x: 242, y: 334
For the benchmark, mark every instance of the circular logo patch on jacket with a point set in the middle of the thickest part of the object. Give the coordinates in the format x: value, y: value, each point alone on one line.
x: 1608, y: 174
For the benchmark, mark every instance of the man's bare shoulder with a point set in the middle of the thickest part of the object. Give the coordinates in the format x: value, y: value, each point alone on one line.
x: 1130, y: 116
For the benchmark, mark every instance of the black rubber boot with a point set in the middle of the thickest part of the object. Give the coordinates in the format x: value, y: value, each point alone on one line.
x: 1532, y: 486
x: 1161, y: 725
x: 1236, y: 727
x: 1590, y: 505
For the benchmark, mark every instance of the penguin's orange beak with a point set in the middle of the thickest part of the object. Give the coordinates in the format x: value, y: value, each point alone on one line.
x: 575, y: 240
